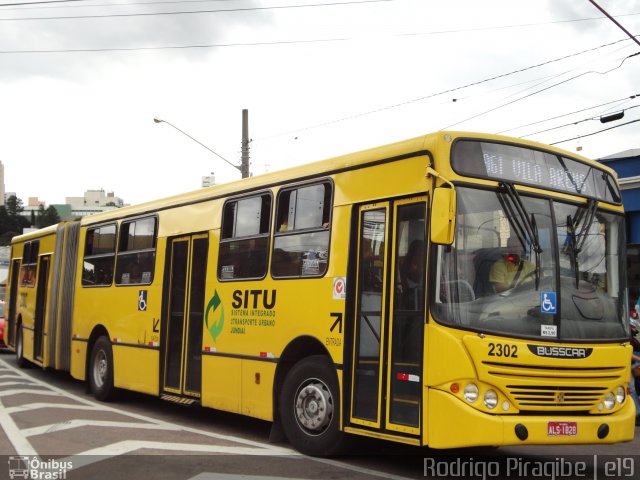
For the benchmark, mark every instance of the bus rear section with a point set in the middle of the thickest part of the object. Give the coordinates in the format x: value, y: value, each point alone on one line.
x: 40, y: 295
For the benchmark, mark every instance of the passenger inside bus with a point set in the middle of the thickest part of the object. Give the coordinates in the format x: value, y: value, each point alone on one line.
x: 411, y: 286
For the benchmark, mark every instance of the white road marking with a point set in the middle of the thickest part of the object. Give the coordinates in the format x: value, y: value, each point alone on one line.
x: 17, y: 391
x: 19, y: 438
x: 99, y: 454
x: 231, y: 476
x: 77, y: 423
x: 229, y: 438
x: 36, y: 406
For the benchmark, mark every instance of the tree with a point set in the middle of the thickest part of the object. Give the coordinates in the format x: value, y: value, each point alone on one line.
x: 49, y: 217
x: 11, y: 220
x: 14, y: 206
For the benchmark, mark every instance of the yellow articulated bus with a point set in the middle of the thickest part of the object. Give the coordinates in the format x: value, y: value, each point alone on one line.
x: 407, y: 293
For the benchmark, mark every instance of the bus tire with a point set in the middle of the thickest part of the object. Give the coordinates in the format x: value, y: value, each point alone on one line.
x: 101, y: 370
x: 20, y: 360
x: 309, y: 407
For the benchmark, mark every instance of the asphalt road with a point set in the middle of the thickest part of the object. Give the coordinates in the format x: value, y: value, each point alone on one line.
x: 51, y: 428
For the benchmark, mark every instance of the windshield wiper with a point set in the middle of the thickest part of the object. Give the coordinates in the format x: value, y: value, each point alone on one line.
x: 584, y: 216
x: 525, y: 227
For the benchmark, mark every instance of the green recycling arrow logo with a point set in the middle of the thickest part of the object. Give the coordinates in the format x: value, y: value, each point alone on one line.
x: 216, y: 309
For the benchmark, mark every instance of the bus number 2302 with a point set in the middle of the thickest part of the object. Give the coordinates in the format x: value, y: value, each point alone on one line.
x: 503, y: 350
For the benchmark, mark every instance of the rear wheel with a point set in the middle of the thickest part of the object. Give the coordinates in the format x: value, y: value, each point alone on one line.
x: 310, y: 407
x: 101, y: 370
x: 20, y: 360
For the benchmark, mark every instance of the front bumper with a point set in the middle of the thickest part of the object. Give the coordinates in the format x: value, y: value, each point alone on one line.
x: 451, y: 423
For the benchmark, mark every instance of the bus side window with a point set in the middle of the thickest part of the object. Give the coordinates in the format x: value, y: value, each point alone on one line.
x: 29, y: 264
x: 244, y: 238
x: 301, y: 243
x: 137, y: 251
x: 99, y: 256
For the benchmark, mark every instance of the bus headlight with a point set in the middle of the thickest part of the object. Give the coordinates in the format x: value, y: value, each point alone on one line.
x: 621, y: 394
x: 471, y: 392
x: 490, y: 399
x: 609, y: 401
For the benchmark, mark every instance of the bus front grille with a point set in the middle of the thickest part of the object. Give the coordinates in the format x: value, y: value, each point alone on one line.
x: 553, y: 388
x: 556, y: 396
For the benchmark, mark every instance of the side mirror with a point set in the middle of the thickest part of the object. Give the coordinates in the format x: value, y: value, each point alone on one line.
x: 443, y: 216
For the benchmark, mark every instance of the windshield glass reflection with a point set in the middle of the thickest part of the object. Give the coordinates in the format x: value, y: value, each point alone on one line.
x: 519, y: 264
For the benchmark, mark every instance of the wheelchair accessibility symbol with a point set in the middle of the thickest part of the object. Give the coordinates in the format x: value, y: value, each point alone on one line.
x: 142, y: 300
x: 548, y: 302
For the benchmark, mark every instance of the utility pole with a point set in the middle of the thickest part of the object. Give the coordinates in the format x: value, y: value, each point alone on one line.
x: 244, y: 165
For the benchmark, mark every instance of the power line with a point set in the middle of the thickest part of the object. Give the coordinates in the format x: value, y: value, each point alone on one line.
x: 618, y: 24
x: 293, y: 42
x: 426, y: 97
x: 164, y: 2
x: 173, y: 47
x: 519, y: 25
x: 192, y: 12
x: 14, y: 4
x: 567, y: 114
x: 595, y: 133
x: 540, y: 91
x: 597, y: 117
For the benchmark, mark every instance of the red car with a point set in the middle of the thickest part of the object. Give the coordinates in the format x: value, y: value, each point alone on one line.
x: 2, y: 342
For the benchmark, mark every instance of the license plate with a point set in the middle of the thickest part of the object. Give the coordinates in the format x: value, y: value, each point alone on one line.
x: 562, y: 429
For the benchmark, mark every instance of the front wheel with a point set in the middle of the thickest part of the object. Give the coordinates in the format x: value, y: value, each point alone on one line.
x: 310, y: 407
x: 101, y: 370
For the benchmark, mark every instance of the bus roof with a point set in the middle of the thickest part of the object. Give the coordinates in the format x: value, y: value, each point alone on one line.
x: 42, y: 232
x: 415, y: 145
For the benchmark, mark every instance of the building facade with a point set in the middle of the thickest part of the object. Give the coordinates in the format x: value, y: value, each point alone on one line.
x: 627, y: 166
x: 93, y: 201
x: 2, y: 192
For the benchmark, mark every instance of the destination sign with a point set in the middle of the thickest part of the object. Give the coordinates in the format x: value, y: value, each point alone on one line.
x: 527, y: 166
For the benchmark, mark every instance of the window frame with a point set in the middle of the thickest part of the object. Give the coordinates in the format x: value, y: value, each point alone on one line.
x: 123, y: 254
x: 93, y: 228
x: 230, y: 238
x: 29, y: 263
x: 278, y: 233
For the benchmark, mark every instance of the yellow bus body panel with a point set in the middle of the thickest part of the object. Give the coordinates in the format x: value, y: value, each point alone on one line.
x: 257, y: 389
x: 79, y: 356
x: 136, y: 369
x: 222, y: 383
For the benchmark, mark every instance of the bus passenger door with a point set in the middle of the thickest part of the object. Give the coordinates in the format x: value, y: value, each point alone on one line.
x: 10, y: 314
x: 367, y: 378
x: 41, y: 306
x: 407, y: 317
x: 390, y: 314
x: 183, y: 319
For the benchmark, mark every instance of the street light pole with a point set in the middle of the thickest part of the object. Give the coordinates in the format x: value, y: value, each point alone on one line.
x: 244, y: 166
x: 159, y: 120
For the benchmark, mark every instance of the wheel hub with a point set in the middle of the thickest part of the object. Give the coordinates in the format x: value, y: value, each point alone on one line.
x: 100, y: 369
x: 314, y: 406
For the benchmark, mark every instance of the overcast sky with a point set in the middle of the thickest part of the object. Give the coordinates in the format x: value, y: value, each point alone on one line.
x: 319, y: 78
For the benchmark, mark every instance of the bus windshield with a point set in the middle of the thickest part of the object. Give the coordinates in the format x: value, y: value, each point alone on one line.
x: 526, y: 266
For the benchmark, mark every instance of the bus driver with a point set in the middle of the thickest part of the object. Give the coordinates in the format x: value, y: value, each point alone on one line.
x: 511, y: 269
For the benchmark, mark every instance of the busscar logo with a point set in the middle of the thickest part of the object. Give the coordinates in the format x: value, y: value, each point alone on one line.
x: 559, y: 352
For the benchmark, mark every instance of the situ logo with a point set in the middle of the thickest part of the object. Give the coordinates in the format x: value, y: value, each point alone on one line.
x: 33, y: 468
x: 559, y: 352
